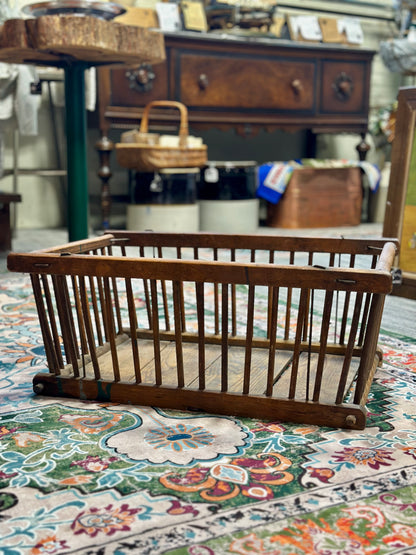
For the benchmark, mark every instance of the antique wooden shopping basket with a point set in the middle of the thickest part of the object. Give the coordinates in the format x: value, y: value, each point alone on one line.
x: 268, y: 327
x: 153, y: 157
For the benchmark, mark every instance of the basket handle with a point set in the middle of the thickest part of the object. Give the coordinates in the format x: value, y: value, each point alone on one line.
x: 183, y: 127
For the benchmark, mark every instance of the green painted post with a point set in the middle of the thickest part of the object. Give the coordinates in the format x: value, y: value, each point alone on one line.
x: 76, y: 140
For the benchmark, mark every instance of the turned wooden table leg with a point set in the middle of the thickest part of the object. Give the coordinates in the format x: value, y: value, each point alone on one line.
x: 104, y: 147
x: 362, y: 148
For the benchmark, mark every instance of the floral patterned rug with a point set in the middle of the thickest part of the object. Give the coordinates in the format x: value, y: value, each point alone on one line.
x: 83, y: 477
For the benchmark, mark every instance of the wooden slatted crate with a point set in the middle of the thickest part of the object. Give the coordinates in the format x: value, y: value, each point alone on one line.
x: 268, y: 327
x: 319, y: 197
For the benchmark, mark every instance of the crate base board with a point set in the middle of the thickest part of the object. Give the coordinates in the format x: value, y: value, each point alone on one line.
x: 349, y: 416
x: 140, y: 388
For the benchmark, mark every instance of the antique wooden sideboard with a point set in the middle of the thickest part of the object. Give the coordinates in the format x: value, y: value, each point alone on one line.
x: 227, y: 81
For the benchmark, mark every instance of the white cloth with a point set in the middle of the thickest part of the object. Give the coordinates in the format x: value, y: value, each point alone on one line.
x: 16, y: 99
x: 90, y: 88
x: 58, y: 90
x: 26, y: 104
x: 8, y: 77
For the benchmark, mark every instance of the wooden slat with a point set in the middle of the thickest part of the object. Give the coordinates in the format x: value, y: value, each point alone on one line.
x: 48, y: 339
x: 164, y: 296
x: 82, y: 246
x: 97, y: 318
x: 343, y: 279
x: 116, y: 304
x: 133, y: 330
x: 326, y: 320
x: 296, y: 348
x: 65, y: 322
x: 70, y: 316
x: 146, y: 294
x: 115, y: 295
x: 52, y: 322
x: 364, y: 318
x: 88, y: 328
x: 216, y: 299
x: 233, y: 301
x: 109, y: 316
x: 249, y: 339
x: 165, y: 305
x: 241, y: 342
x: 350, y: 347
x: 289, y: 301
x: 263, y: 242
x: 224, y: 337
x: 346, y: 307
x: 369, y: 348
x: 269, y: 295
x: 177, y: 313
x: 306, y: 324
x: 310, y: 309
x: 133, y: 324
x: 103, y: 307
x: 182, y: 304
x: 272, y: 348
x: 156, y: 338
x: 201, y: 333
x: 78, y: 312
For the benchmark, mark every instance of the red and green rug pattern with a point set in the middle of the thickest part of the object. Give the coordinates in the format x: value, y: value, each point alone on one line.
x: 95, y: 478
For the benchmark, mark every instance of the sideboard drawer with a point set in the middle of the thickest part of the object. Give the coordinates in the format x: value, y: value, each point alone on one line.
x: 344, y: 87
x: 130, y: 88
x: 249, y: 83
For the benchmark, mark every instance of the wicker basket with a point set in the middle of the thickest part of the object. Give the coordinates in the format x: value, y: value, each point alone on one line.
x: 143, y: 157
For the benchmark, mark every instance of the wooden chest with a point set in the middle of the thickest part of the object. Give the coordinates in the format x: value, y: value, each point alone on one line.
x: 324, y: 197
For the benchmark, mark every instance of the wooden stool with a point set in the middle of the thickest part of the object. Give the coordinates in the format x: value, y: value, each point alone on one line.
x: 5, y: 231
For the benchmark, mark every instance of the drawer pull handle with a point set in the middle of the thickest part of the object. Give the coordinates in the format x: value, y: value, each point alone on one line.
x: 297, y: 86
x: 343, y: 86
x: 141, y: 78
x: 203, y: 81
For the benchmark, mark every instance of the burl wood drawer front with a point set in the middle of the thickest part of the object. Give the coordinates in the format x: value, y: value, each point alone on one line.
x: 234, y: 81
x: 344, y: 87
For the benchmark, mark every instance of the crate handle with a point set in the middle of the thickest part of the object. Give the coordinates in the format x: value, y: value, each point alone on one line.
x: 183, y: 126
